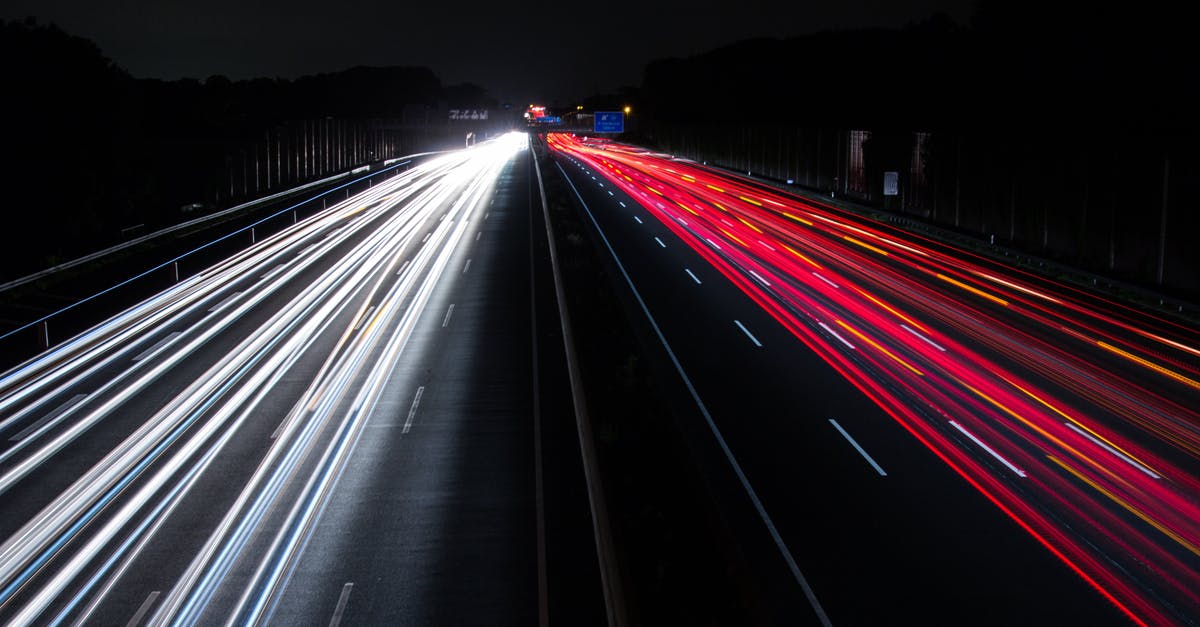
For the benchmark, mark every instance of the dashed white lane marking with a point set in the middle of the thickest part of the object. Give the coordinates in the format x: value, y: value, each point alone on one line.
x: 412, y: 412
x: 748, y: 333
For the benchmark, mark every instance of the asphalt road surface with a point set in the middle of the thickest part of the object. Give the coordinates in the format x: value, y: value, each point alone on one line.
x: 332, y: 427
x: 920, y: 435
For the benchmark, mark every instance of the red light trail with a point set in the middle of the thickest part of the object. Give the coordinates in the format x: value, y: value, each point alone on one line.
x: 1075, y: 415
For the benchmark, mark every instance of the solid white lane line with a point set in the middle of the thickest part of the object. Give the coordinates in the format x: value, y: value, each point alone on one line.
x: 412, y: 412
x: 449, y: 312
x: 1129, y: 460
x: 858, y: 448
x: 692, y: 275
x: 467, y: 266
x: 836, y: 334
x: 660, y: 242
x: 639, y: 220
x: 157, y: 345
x: 809, y: 593
x: 365, y: 316
x: 923, y: 338
x: 225, y: 302
x: 990, y: 450
x: 341, y: 605
x: 825, y: 280
x: 141, y: 613
x: 748, y: 334
x: 58, y: 411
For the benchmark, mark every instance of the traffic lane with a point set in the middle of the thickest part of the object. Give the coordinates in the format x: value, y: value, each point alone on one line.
x: 49, y: 365
x: 283, y: 410
x: 1106, y: 311
x: 1021, y: 305
x: 436, y: 525
x: 1112, y: 536
x: 142, y: 331
x: 1077, y: 366
x: 29, y: 495
x: 916, y: 531
x: 1066, y: 496
x: 1028, y: 302
x: 223, y: 579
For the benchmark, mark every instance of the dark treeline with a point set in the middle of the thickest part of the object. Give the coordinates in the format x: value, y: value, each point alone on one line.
x: 1066, y: 132
x: 94, y: 155
x: 1017, y: 63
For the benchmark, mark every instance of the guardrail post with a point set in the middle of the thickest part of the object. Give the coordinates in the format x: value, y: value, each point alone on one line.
x: 44, y: 336
x: 252, y: 235
x: 175, y: 268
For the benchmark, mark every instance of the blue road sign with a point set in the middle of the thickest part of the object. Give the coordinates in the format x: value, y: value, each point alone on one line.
x: 609, y: 122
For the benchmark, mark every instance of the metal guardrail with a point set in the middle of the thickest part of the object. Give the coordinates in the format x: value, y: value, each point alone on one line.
x: 610, y: 578
x: 43, y: 321
x: 166, y: 231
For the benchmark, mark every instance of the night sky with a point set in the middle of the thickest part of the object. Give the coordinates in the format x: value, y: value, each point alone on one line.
x: 551, y: 51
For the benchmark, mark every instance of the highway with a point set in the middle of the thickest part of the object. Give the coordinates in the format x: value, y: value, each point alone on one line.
x: 331, y: 427
x: 921, y: 435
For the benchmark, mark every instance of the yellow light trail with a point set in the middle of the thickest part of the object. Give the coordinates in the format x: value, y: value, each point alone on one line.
x: 1078, y: 424
x: 798, y: 254
x: 733, y: 237
x: 899, y: 315
x: 743, y: 221
x: 751, y: 201
x: 879, y: 348
x: 1127, y: 506
x: 865, y: 245
x: 1149, y: 364
x: 797, y: 219
x: 973, y: 290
